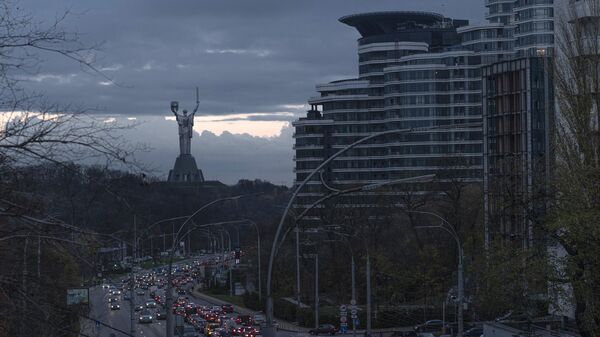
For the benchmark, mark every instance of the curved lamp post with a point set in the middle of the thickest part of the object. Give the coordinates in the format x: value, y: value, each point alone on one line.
x: 450, y: 230
x: 176, y: 239
x: 269, y: 331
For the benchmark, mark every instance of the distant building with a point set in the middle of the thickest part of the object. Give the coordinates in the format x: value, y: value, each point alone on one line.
x: 410, y: 75
x: 416, y: 69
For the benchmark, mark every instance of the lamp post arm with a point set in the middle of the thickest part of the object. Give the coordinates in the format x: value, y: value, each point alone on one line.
x: 269, y: 303
x: 448, y: 228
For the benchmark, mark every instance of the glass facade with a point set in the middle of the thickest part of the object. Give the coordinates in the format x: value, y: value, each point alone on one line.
x: 415, y: 70
x: 518, y: 112
x: 532, y: 23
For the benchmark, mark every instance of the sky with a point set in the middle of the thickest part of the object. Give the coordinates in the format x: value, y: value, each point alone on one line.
x: 255, y: 62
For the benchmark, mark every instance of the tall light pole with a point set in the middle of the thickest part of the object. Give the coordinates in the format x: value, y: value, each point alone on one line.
x: 335, y: 193
x: 269, y: 331
x: 446, y: 226
x: 176, y: 239
x: 344, y: 239
x: 258, y: 249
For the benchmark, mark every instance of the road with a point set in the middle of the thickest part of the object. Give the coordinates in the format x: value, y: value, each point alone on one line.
x: 120, y: 319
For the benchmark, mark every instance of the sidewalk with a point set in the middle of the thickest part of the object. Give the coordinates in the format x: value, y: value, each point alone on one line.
x: 283, y: 325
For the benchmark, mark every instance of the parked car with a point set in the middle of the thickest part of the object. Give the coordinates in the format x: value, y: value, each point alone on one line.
x: 324, y: 329
x: 430, y: 326
x: 474, y: 332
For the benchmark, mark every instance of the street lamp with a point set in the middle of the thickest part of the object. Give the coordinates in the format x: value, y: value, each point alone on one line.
x: 335, y: 193
x: 446, y: 226
x: 344, y: 239
x: 176, y: 239
x: 255, y: 225
x: 269, y: 330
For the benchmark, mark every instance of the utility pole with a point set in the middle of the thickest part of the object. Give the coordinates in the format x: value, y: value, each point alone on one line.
x: 353, y: 302
x: 132, y: 280
x: 368, y: 295
x: 460, y: 291
x: 24, y: 281
x: 230, y: 267
x: 297, y: 271
x: 39, y: 257
x: 316, y: 290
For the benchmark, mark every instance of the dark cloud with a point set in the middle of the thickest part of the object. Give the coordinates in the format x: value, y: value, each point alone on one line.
x: 259, y: 58
x: 246, y: 56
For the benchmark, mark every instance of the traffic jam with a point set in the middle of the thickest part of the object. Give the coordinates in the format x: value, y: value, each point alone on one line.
x: 149, y: 290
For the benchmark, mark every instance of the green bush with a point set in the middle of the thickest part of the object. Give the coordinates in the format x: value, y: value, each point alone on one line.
x: 251, y: 301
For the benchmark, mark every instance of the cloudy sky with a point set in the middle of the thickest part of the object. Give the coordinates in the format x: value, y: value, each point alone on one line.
x: 255, y: 63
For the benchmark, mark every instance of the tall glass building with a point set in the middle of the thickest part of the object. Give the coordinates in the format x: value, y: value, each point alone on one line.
x: 415, y: 69
x: 532, y: 22
x: 411, y: 74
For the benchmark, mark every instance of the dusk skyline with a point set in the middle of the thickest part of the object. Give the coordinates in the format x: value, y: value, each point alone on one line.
x: 255, y: 65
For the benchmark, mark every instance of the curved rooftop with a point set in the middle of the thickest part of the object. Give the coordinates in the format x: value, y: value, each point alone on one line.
x: 377, y: 23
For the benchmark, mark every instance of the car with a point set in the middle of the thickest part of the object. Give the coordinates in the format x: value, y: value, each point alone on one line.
x: 112, y: 299
x: 115, y: 306
x: 161, y: 314
x: 220, y: 332
x: 105, y: 286
x: 227, y: 308
x: 145, y: 316
x: 259, y: 319
x: 150, y: 304
x: 474, y: 332
x: 198, y: 323
x: 327, y: 329
x: 249, y: 331
x: 208, y: 328
x: 244, y: 320
x: 433, y: 325
x: 138, y: 307
x: 189, y: 331
x: 140, y: 292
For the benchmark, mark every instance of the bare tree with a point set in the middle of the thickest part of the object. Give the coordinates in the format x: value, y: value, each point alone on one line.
x: 34, y: 131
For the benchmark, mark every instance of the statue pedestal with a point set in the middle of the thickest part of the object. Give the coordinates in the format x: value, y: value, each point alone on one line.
x: 185, y: 170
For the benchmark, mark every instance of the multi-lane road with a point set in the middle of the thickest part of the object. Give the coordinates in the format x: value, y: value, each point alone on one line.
x: 118, y: 322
